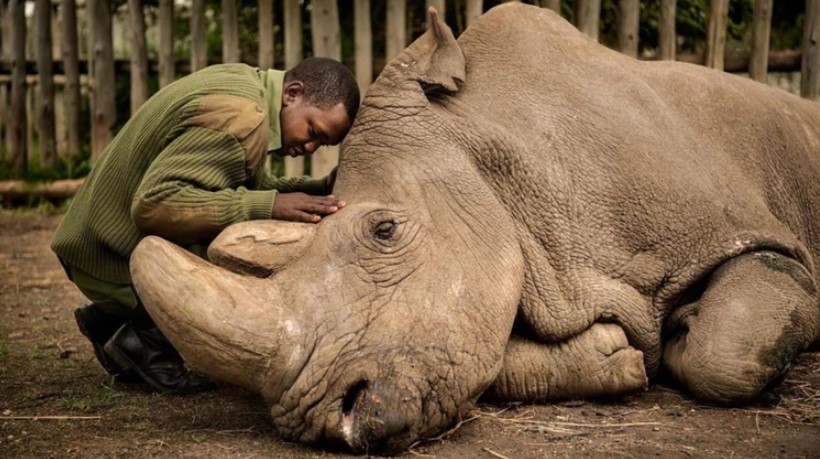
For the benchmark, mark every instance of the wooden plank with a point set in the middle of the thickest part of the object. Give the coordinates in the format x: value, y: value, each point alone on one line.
x: 139, y: 55
x: 628, y: 23
x: 364, y: 44
x: 294, y: 167
x: 71, y: 69
x: 587, y: 17
x: 103, y: 106
x: 327, y: 42
x: 810, y: 66
x: 396, y: 28
x: 761, y: 30
x: 46, y: 130
x: 716, y: 34
x: 667, y: 35
x: 265, y: 34
x: 199, y: 41
x: 166, y: 43
x: 473, y: 9
x: 18, y: 120
x: 230, y: 32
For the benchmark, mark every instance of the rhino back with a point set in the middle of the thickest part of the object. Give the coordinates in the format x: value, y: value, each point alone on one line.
x: 653, y: 173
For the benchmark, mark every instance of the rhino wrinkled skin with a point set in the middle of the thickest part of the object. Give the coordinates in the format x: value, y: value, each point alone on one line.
x: 531, y: 217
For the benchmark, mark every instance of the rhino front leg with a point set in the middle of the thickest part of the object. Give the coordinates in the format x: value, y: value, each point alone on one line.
x: 756, y: 313
x: 597, y: 362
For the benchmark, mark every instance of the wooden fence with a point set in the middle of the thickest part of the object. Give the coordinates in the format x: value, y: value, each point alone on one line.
x: 86, y: 62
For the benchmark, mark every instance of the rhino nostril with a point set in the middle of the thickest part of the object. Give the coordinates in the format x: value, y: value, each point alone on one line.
x: 349, y: 400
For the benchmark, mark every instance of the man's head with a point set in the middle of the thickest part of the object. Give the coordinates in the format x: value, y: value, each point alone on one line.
x: 320, y: 99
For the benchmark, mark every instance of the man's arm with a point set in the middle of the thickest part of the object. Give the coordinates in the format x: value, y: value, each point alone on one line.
x: 193, y: 189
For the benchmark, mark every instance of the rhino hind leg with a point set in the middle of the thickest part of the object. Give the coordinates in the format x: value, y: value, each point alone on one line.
x: 756, y: 313
x: 597, y: 362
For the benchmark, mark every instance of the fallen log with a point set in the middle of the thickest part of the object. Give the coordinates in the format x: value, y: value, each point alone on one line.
x: 12, y: 191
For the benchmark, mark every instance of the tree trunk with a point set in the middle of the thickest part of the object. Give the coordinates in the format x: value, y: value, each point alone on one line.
x: 103, y: 107
x: 364, y: 44
x: 265, y: 34
x: 810, y: 65
x: 230, y: 32
x: 761, y: 29
x: 139, y: 56
x: 71, y: 89
x: 474, y: 8
x: 716, y: 34
x: 18, y: 122
x: 439, y: 5
x: 20, y: 191
x: 199, y: 41
x: 587, y: 16
x: 554, y: 5
x: 628, y: 22
x: 167, y: 73
x: 396, y: 28
x: 325, y: 31
x: 294, y: 167
x: 45, y: 70
x: 667, y: 36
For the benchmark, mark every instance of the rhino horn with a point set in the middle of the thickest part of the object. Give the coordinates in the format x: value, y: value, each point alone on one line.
x: 434, y: 60
x: 229, y: 326
x: 260, y: 248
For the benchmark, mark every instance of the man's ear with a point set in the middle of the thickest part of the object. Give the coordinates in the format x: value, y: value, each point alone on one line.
x: 293, y: 91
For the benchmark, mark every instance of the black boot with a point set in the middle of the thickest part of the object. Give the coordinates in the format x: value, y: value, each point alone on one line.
x: 141, y: 347
x: 99, y: 326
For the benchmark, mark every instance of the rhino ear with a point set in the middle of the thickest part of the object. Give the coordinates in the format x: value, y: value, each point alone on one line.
x: 434, y: 60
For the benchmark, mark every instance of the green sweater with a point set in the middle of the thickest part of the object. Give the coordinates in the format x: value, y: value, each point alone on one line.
x: 189, y: 163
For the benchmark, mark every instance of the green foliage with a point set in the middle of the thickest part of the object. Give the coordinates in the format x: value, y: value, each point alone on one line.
x: 106, y: 396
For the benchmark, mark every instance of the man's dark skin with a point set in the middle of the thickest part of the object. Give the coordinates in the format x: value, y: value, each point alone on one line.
x: 305, y: 128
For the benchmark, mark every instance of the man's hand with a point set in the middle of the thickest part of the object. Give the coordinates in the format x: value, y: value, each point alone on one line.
x: 301, y: 207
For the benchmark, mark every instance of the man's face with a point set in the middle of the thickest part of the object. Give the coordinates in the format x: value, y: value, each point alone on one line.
x: 307, y: 127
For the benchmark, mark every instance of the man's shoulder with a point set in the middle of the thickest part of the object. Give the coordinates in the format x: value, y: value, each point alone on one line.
x: 235, y: 114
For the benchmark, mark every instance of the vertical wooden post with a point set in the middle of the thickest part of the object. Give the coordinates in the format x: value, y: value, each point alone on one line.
x: 761, y: 30
x: 474, y: 8
x: 167, y: 70
x: 327, y: 42
x: 439, y: 5
x: 230, y: 32
x: 587, y: 16
x: 5, y: 55
x: 810, y: 65
x: 667, y: 35
x: 396, y: 27
x: 45, y: 99
x: 103, y: 107
x: 18, y: 121
x: 716, y: 34
x: 71, y: 67
x: 265, y: 34
x: 139, y: 55
x: 199, y: 41
x: 554, y: 5
x: 364, y: 44
x: 294, y: 167
x: 629, y: 12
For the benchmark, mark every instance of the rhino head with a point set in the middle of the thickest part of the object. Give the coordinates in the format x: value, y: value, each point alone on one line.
x: 383, y: 323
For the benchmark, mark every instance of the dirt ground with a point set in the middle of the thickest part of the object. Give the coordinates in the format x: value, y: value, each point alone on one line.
x: 57, y: 402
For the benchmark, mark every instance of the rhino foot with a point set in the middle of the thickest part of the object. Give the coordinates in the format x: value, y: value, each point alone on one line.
x: 598, y: 362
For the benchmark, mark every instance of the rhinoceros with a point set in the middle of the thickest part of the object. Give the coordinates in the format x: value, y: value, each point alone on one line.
x: 531, y: 216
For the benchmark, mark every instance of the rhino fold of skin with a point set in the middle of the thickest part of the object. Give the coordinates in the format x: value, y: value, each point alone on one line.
x: 531, y: 216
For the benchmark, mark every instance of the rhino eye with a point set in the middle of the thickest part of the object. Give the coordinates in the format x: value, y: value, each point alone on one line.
x: 384, y: 229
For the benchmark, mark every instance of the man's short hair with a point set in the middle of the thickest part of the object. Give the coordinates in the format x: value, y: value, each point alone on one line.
x: 327, y: 83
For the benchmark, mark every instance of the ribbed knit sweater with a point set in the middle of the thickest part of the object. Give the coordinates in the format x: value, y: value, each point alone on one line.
x: 189, y: 163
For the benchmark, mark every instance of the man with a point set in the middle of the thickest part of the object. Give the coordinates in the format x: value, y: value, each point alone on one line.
x: 189, y: 163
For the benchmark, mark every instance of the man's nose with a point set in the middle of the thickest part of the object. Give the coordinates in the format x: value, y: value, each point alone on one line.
x: 311, y: 146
